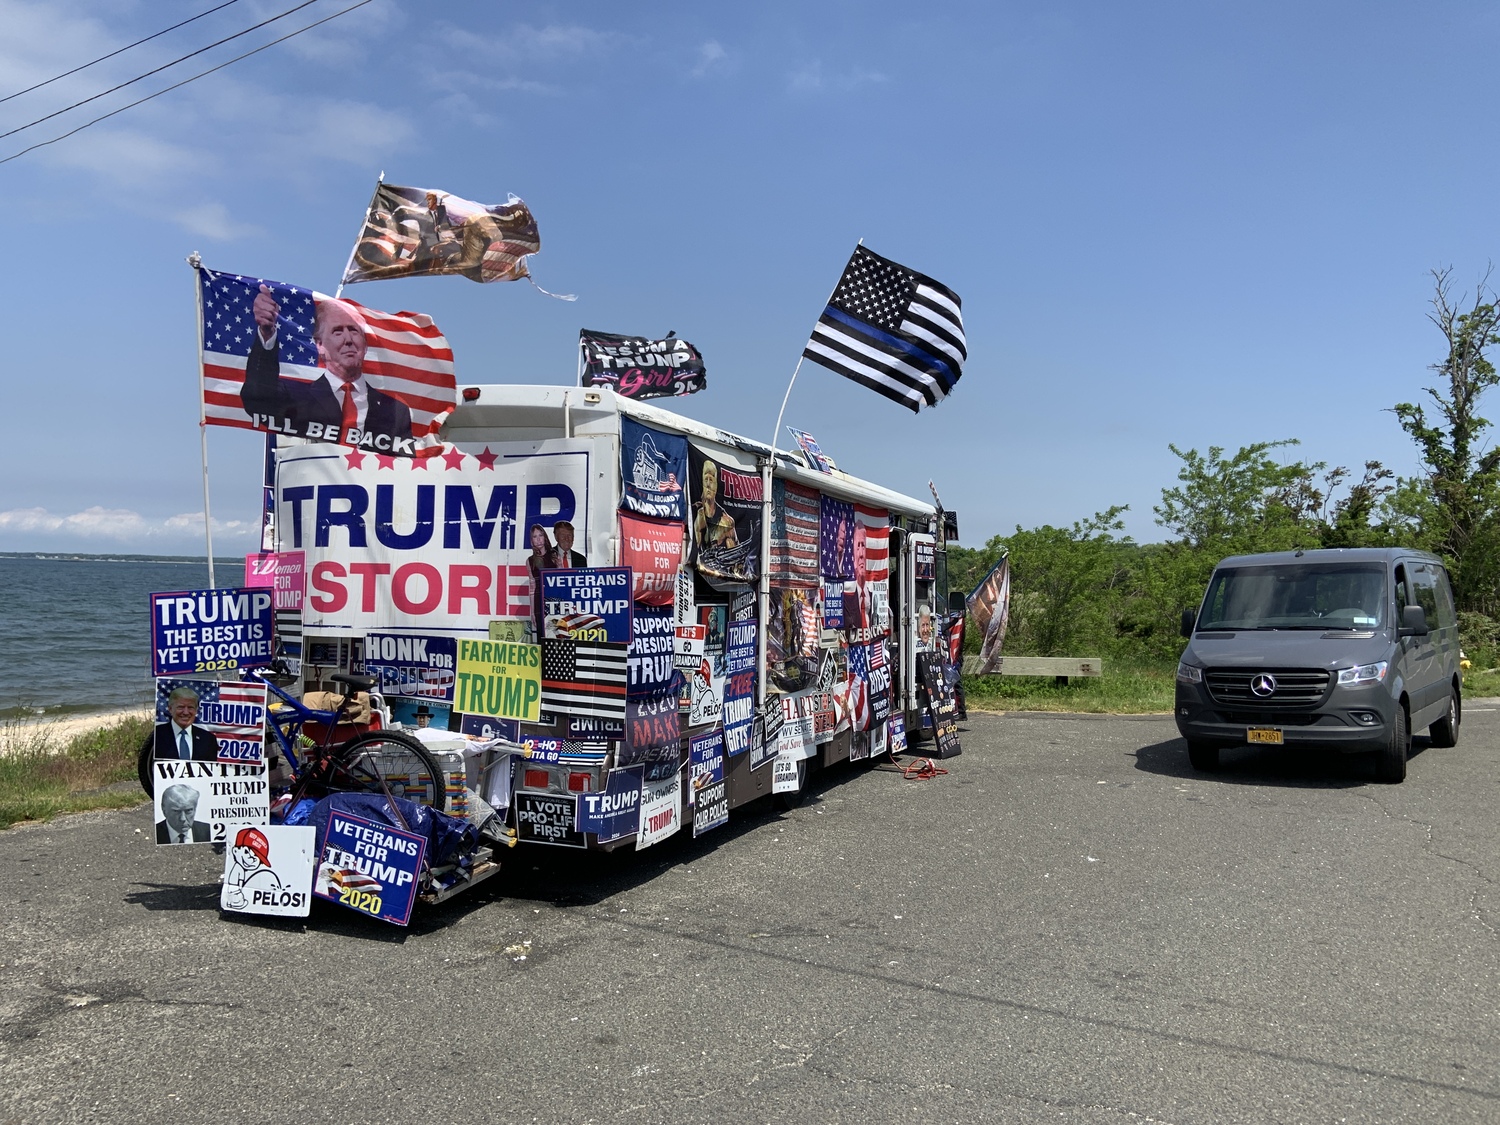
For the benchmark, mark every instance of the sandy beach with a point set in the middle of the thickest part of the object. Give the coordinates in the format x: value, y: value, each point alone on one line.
x: 55, y: 733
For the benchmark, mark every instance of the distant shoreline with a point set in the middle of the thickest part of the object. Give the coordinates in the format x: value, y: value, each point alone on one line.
x: 79, y: 556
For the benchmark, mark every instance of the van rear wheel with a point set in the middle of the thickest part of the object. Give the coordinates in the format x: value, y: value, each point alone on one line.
x: 1444, y: 732
x: 1203, y: 755
x: 1390, y: 763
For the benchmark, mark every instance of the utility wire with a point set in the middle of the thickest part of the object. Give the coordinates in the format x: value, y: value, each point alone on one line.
x: 158, y: 70
x: 121, y: 51
x: 184, y: 82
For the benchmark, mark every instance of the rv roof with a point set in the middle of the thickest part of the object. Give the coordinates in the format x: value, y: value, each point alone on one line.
x: 532, y: 412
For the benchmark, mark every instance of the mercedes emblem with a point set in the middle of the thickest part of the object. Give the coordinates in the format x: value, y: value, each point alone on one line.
x: 1263, y: 685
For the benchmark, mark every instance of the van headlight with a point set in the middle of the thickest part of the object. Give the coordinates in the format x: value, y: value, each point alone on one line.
x: 1189, y: 674
x: 1364, y: 675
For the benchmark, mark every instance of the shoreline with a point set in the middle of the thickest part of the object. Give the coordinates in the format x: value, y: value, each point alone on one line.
x: 17, y: 734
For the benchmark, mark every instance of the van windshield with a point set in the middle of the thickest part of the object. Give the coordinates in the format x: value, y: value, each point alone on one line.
x: 1296, y: 596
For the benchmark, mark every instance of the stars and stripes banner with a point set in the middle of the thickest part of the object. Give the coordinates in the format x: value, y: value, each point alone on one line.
x: 583, y: 679
x: 415, y: 232
x: 891, y: 329
x: 874, y: 526
x: 795, y: 530
x: 287, y: 376
x: 836, y: 536
x: 638, y: 368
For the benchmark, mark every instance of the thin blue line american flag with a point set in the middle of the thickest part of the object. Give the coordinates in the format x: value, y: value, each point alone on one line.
x: 891, y: 329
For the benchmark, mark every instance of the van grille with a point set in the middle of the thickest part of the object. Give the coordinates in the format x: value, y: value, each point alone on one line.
x: 1294, y: 687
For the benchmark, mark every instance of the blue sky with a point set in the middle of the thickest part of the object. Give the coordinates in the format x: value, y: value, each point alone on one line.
x: 1189, y: 223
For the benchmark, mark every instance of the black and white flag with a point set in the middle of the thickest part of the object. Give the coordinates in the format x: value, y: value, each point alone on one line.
x: 583, y: 679
x: 895, y: 330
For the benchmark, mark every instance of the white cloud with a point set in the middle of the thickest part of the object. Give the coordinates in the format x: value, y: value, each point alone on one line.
x: 526, y: 42
x: 810, y: 79
x: 28, y: 528
x: 212, y: 220
x: 709, y: 54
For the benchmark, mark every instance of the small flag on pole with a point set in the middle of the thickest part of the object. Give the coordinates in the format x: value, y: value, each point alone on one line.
x: 895, y: 330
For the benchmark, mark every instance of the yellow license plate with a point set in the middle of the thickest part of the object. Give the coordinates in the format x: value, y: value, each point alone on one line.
x: 1264, y: 734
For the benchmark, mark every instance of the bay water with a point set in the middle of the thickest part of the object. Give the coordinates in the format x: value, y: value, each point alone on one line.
x: 75, y: 630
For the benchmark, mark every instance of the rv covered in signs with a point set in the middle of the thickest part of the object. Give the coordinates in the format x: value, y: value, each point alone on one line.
x: 771, y: 619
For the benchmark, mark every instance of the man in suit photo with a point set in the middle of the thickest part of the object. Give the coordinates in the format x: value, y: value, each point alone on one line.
x: 563, y: 555
x: 340, y: 405
x: 180, y: 736
x: 179, y: 808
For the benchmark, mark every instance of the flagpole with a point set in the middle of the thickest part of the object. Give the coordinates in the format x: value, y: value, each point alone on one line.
x: 208, y: 524
x: 375, y: 195
x: 767, y: 479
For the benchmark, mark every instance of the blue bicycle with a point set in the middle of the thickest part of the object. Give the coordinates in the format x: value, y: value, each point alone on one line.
x: 372, y: 761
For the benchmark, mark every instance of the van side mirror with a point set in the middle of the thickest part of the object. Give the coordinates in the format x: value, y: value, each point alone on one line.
x: 1413, y: 622
x: 957, y: 603
x: 1189, y: 619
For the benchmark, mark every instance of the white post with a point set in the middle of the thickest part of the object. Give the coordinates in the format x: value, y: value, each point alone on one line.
x: 208, y: 524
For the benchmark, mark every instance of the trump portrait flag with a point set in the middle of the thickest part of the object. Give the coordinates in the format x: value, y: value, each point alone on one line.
x: 894, y: 330
x: 287, y: 360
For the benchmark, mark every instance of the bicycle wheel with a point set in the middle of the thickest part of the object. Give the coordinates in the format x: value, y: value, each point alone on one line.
x: 388, y: 760
x: 143, y: 766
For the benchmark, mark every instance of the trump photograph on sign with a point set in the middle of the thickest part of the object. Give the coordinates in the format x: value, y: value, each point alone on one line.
x: 290, y: 361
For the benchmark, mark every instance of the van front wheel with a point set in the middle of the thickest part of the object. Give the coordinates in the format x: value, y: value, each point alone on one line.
x: 1390, y: 763
x: 1444, y: 732
x: 1203, y: 755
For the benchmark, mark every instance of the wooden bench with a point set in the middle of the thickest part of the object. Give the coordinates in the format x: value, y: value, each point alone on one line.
x: 1060, y: 668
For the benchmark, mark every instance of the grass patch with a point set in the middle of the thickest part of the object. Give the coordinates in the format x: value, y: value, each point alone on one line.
x: 1120, y: 691
x: 1485, y: 683
x: 39, y: 780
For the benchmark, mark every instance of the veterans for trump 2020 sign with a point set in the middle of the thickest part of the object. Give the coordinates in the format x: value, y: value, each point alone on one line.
x: 591, y: 604
x: 430, y: 545
x: 210, y: 631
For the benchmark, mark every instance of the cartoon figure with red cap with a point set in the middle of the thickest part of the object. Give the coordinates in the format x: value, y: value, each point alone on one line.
x: 249, y: 867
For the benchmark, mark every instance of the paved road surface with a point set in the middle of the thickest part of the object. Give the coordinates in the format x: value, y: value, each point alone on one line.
x: 1069, y: 926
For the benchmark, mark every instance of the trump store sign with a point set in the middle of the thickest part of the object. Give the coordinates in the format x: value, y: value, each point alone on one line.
x: 433, y: 543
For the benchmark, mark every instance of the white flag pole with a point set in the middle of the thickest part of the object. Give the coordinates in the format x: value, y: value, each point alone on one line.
x: 767, y: 475
x: 208, y: 523
x: 374, y: 196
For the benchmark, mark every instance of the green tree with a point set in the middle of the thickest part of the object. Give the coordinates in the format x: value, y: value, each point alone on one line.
x: 1066, y: 585
x: 1459, y: 513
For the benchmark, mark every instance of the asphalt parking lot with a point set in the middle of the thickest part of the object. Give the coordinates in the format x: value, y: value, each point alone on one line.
x: 1070, y: 925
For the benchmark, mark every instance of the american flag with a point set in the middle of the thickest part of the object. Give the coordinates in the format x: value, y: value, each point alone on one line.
x: 859, y: 687
x: 795, y: 527
x: 583, y: 679
x: 893, y: 330
x: 406, y: 356
x: 836, y: 536
x: 875, y: 527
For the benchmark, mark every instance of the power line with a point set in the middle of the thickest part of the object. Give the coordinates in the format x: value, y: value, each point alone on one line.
x: 179, y: 85
x: 158, y: 70
x: 121, y: 51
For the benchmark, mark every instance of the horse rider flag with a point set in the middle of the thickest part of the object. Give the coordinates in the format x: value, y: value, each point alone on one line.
x: 896, y: 331
x: 286, y: 360
x: 417, y: 232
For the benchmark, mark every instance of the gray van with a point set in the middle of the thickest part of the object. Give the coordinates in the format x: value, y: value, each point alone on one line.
x: 1346, y: 649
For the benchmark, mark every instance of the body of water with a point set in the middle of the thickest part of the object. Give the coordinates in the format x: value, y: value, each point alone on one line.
x: 75, y: 630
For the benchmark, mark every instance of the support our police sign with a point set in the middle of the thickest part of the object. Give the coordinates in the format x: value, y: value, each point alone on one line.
x: 210, y: 630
